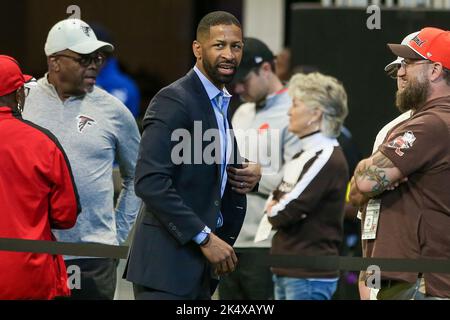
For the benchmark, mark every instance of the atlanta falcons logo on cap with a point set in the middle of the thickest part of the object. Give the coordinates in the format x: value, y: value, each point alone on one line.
x: 83, y: 122
x: 86, y: 30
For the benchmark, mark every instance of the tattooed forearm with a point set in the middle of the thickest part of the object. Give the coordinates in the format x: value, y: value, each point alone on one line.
x: 376, y: 174
x: 372, y: 174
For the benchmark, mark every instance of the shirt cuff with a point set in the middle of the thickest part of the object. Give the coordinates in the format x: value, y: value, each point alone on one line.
x: 202, y: 235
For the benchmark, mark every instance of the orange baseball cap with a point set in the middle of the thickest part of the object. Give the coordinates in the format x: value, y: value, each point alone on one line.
x: 430, y: 44
x: 11, y: 77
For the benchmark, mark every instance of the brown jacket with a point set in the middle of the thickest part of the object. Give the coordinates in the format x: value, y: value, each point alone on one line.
x: 310, y: 213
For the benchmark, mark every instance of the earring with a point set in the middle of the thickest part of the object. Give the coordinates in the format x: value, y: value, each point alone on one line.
x: 19, y: 108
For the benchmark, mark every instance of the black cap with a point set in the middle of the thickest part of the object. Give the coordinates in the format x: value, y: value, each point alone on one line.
x: 255, y: 53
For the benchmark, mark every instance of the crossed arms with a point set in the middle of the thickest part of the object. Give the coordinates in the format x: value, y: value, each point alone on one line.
x: 372, y: 177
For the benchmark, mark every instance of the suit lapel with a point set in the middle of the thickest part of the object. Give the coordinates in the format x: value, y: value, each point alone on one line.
x: 206, y: 107
x: 236, y: 156
x: 204, y: 102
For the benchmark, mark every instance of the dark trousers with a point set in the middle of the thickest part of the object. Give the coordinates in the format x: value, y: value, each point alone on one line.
x: 250, y: 280
x: 203, y: 292
x: 98, y: 279
x: 144, y: 293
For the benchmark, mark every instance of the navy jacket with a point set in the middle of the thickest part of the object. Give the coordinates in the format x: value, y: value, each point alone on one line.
x: 180, y: 199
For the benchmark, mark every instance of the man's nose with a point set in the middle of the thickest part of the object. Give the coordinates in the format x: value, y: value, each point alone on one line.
x: 227, y: 53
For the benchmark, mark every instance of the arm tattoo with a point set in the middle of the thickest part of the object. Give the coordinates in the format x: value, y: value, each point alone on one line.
x: 375, y: 174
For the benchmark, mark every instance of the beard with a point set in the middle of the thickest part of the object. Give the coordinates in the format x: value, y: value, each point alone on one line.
x: 214, y: 73
x: 413, y: 96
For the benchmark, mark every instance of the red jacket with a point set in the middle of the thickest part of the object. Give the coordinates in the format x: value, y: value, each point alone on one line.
x: 37, y: 193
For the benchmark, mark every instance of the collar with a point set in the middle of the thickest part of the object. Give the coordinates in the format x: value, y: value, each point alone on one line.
x: 316, y: 141
x: 52, y: 90
x: 48, y: 86
x: 273, y: 99
x: 270, y: 96
x: 445, y: 100
x: 7, y: 112
x: 210, y: 88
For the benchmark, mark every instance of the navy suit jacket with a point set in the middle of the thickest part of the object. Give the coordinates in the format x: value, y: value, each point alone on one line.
x: 180, y: 199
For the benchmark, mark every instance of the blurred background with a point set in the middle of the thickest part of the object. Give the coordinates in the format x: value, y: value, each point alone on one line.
x: 153, y: 41
x: 342, y: 38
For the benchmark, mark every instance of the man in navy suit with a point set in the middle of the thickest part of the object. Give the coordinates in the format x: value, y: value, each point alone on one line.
x: 190, y: 175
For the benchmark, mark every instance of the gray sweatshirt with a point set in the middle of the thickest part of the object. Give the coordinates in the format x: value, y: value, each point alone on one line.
x: 94, y: 130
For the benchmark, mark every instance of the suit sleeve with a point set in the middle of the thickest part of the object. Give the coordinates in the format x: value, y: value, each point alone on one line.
x: 155, y: 169
x: 64, y: 200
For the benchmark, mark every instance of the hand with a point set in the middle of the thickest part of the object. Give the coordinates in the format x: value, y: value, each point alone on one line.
x: 356, y: 198
x: 220, y: 254
x: 397, y: 183
x: 364, y: 291
x: 244, y: 180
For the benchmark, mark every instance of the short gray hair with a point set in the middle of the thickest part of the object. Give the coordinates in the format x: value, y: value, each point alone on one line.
x: 325, y: 93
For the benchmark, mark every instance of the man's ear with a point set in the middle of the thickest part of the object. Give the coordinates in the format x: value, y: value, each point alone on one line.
x: 437, y: 71
x: 266, y: 66
x: 53, y: 64
x: 266, y: 69
x: 197, y: 49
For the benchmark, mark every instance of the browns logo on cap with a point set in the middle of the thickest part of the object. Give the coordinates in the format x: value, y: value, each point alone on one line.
x: 430, y: 44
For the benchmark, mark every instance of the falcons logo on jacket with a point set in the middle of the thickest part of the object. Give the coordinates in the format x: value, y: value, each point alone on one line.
x: 83, y: 122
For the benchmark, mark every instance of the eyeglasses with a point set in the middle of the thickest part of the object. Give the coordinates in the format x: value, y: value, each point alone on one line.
x: 393, y: 72
x: 85, y: 60
x: 404, y: 63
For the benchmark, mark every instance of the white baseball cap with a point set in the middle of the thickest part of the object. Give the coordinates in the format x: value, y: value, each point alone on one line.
x: 75, y: 35
x: 399, y: 60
